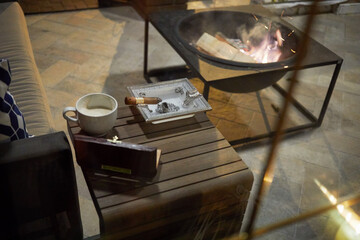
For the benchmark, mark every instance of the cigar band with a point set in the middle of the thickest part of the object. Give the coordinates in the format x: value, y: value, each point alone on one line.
x: 140, y: 100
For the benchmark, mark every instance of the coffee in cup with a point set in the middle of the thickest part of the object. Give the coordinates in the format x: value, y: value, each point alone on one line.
x: 95, y: 113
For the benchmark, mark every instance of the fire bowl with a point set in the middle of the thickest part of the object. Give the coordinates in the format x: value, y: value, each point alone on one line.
x: 246, y: 32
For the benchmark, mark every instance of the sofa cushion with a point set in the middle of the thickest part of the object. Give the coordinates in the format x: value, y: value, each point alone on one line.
x: 12, y: 123
x: 26, y: 84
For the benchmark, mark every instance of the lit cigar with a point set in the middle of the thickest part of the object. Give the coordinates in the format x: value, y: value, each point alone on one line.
x: 140, y: 100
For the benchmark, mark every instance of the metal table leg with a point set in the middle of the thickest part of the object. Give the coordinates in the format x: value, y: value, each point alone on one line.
x: 329, y: 93
x: 314, y: 121
x: 146, y: 50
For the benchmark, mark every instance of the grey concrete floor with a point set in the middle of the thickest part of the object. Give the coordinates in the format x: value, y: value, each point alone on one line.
x: 101, y: 50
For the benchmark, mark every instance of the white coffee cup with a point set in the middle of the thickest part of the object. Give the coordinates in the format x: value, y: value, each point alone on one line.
x: 95, y: 113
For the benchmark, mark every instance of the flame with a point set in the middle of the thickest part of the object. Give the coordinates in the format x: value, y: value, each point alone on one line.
x: 263, y: 45
x: 346, y: 212
x: 267, y: 51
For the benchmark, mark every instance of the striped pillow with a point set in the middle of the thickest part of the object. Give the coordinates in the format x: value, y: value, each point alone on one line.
x: 12, y: 123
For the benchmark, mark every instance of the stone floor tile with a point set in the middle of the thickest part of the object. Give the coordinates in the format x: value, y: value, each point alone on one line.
x: 339, y: 142
x: 230, y: 112
x: 351, y: 128
x: 89, y: 23
x: 312, y: 197
x: 44, y: 61
x: 198, y: 84
x: 31, y: 19
x: 59, y: 17
x: 231, y: 129
x: 213, y: 119
x: 349, y: 167
x: 91, y: 47
x: 258, y: 125
x: 57, y: 72
x: 75, y: 85
x: 89, y: 70
x: 218, y: 95
x: 314, y: 228
x: 312, y: 152
x: 290, y: 168
x: 245, y: 100
x: 272, y: 212
x: 54, y: 27
x: 60, y: 99
x: 45, y: 41
x: 59, y: 52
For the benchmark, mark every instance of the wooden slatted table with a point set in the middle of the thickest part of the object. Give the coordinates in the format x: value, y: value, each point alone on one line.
x: 201, y: 187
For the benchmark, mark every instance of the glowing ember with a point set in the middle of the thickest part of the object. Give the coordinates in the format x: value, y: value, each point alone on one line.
x: 255, y: 17
x: 279, y: 37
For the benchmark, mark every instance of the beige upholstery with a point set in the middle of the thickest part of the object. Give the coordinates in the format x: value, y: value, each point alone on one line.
x: 26, y: 85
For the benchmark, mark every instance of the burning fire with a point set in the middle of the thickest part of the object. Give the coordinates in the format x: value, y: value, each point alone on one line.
x: 261, y: 44
x: 264, y: 41
x: 267, y: 51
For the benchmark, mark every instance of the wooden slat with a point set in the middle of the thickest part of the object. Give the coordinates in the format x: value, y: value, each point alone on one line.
x: 109, y: 184
x: 150, y: 127
x: 195, y: 150
x: 187, y: 198
x: 146, y: 191
x: 184, y: 141
x: 131, y: 136
x: 196, y: 165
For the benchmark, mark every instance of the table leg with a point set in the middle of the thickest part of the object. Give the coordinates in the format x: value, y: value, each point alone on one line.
x: 95, y: 202
x: 146, y: 50
x: 314, y: 121
x: 206, y: 91
x: 329, y: 93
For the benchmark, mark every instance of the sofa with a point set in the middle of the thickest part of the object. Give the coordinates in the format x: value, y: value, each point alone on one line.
x: 26, y: 85
x: 37, y: 177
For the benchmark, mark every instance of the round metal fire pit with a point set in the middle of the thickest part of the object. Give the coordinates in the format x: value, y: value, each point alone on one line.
x: 249, y: 32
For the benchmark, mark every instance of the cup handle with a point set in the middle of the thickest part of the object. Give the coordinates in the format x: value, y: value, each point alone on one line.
x: 69, y: 109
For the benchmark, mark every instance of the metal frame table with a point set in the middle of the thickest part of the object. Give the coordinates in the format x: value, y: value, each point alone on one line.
x: 214, y: 74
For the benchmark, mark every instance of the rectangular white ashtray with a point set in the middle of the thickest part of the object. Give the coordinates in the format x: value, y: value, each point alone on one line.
x: 180, y: 99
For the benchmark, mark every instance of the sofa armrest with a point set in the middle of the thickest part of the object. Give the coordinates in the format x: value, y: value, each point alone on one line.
x: 26, y: 85
x: 38, y: 186
x: 34, y: 149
